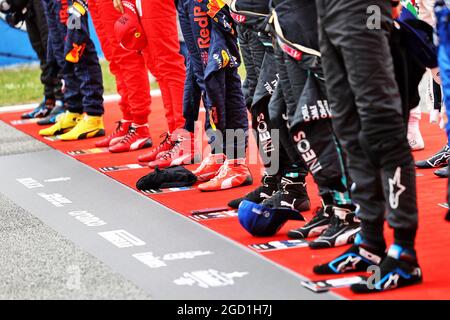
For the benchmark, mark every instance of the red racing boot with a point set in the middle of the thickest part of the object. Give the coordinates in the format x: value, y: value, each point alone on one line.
x: 232, y: 174
x: 182, y: 152
x: 121, y: 131
x: 209, y: 167
x: 164, y: 146
x: 137, y: 138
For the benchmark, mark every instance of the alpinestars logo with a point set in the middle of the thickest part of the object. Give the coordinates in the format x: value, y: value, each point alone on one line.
x: 395, y: 188
x: 348, y: 264
x: 392, y: 282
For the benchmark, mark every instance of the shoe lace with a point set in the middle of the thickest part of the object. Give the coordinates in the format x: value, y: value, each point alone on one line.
x: 223, y: 171
x: 129, y: 136
x: 166, y: 140
x: 175, y: 148
x: 335, y: 225
x: 118, y: 127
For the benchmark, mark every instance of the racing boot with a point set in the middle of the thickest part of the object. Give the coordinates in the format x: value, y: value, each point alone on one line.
x: 399, y: 269
x: 440, y: 159
x: 292, y: 194
x: 137, y: 137
x: 64, y: 124
x: 166, y: 144
x: 316, y: 226
x: 57, y: 111
x: 209, y: 167
x: 269, y: 185
x: 121, y: 131
x: 41, y: 111
x: 414, y: 136
x: 181, y: 152
x: 87, y: 127
x: 233, y: 173
x: 342, y: 230
x: 358, y: 258
x: 442, y: 172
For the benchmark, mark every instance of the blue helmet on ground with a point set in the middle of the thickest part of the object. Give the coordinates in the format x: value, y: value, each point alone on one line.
x: 261, y: 221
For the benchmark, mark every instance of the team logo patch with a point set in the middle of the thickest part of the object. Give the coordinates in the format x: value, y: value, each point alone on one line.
x: 279, y: 245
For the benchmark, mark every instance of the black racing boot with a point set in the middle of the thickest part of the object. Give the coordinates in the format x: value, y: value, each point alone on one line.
x: 292, y: 195
x: 269, y: 185
x: 437, y: 160
x: 442, y: 172
x: 316, y: 226
x: 342, y: 230
x: 398, y: 269
x: 357, y: 258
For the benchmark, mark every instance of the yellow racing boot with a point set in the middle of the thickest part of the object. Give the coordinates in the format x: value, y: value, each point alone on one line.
x: 64, y: 124
x: 87, y: 127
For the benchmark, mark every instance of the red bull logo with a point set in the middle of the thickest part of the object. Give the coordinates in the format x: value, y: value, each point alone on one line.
x: 201, y: 18
x: 64, y: 12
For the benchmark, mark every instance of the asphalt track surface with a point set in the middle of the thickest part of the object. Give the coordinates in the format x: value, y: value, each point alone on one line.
x: 39, y: 263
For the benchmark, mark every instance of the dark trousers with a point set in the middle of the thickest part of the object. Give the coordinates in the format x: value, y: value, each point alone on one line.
x: 37, y: 30
x: 367, y: 116
x: 83, y: 78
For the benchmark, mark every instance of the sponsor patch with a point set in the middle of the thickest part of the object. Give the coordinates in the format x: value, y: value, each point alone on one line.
x: 279, y: 245
x: 123, y: 167
x: 214, y: 215
x: 87, y: 151
x: 326, y: 285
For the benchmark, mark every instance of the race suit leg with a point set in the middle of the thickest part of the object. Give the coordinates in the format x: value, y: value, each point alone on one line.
x: 367, y: 117
x: 163, y: 56
x: 81, y: 55
x: 194, y: 85
x: 443, y: 28
x: 127, y: 66
x: 57, y: 16
x: 253, y: 51
x: 307, y: 108
x: 37, y: 30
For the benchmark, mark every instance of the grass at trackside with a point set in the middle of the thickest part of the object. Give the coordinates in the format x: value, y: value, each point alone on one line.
x: 21, y: 85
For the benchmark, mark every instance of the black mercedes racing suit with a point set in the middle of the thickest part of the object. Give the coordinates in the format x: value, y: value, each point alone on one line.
x: 303, y: 98
x: 367, y: 116
x: 260, y: 87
